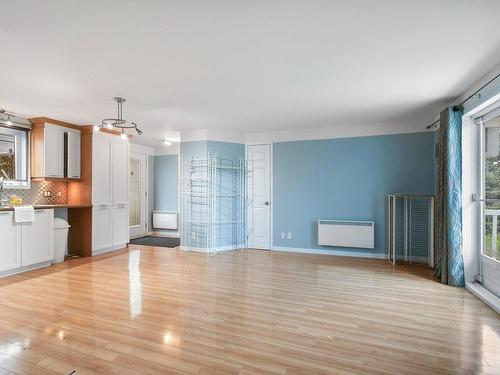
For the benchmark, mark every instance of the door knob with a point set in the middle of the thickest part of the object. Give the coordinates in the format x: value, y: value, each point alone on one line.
x: 267, y: 203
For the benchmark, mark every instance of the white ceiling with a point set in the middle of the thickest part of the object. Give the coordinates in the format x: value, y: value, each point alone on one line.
x: 245, y: 66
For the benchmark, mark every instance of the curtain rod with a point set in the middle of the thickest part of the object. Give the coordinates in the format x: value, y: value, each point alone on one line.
x: 468, y: 98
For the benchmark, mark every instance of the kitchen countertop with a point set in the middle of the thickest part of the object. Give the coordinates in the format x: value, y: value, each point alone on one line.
x: 42, y: 206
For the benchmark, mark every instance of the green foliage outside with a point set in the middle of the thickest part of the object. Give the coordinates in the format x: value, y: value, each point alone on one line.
x: 7, y: 166
x: 492, y: 192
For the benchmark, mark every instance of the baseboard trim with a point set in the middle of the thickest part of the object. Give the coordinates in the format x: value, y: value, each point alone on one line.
x: 108, y: 249
x: 216, y: 250
x: 484, y: 295
x: 166, y: 233
x: 32, y: 267
x: 344, y: 253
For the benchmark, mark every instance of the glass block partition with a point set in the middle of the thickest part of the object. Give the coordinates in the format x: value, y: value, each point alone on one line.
x: 213, y: 204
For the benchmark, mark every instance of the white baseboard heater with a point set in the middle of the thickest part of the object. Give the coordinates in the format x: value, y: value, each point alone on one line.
x: 346, y: 233
x: 165, y: 220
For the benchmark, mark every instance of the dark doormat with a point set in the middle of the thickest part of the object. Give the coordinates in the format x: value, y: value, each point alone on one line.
x: 156, y: 241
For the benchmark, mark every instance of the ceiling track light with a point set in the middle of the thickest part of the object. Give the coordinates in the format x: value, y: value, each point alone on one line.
x: 118, y: 122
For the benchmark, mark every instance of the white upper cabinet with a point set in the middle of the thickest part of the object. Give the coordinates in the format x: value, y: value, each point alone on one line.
x: 73, y: 161
x: 119, y: 170
x: 53, y: 151
x: 101, y: 169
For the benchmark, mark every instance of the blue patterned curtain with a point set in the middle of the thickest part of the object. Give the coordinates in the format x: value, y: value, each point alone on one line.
x: 448, y: 258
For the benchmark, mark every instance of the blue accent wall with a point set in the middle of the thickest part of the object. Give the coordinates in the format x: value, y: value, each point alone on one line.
x: 195, y: 149
x: 165, y: 182
x: 226, y: 150
x: 347, y: 178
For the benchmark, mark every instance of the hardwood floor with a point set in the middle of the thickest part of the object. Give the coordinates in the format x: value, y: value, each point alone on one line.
x: 161, y: 311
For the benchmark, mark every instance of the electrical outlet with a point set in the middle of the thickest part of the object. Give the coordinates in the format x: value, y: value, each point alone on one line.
x: 59, y: 194
x: 289, y: 236
x: 283, y: 235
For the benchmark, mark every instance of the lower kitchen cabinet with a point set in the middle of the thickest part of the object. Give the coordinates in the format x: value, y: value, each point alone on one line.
x: 10, y: 238
x: 38, y: 238
x: 26, y: 244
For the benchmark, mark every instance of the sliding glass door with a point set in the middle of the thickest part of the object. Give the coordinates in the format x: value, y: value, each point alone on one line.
x: 490, y: 202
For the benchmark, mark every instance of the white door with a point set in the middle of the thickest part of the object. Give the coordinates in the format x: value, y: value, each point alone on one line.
x: 74, y: 154
x: 54, y: 151
x: 10, y: 256
x: 137, y: 194
x: 490, y: 204
x: 259, y: 190
x: 38, y: 238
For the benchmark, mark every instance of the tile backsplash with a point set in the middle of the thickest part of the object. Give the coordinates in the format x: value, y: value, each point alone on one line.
x: 35, y: 195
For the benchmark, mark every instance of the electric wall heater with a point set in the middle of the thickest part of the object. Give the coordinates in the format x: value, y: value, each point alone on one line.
x: 165, y: 220
x: 346, y: 233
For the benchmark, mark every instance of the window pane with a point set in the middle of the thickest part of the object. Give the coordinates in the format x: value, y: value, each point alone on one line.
x: 7, y: 157
x: 135, y: 193
x: 13, y: 155
x: 492, y: 192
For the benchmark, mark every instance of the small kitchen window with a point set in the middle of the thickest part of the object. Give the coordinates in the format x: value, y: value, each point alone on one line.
x: 14, y: 157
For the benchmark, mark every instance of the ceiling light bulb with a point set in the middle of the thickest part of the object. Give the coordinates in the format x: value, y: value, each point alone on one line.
x: 123, y: 135
x: 166, y: 142
x: 109, y: 126
x: 97, y: 128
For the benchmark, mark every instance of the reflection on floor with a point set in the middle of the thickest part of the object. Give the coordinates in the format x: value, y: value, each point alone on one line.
x: 146, y: 310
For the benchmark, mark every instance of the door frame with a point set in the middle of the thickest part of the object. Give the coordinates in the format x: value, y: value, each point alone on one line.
x: 271, y: 171
x: 471, y: 203
x: 489, y: 268
x: 143, y: 158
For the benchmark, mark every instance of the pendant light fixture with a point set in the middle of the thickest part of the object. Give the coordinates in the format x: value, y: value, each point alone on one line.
x: 118, y: 122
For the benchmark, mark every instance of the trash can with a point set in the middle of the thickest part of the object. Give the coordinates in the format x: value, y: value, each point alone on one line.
x: 61, y: 228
